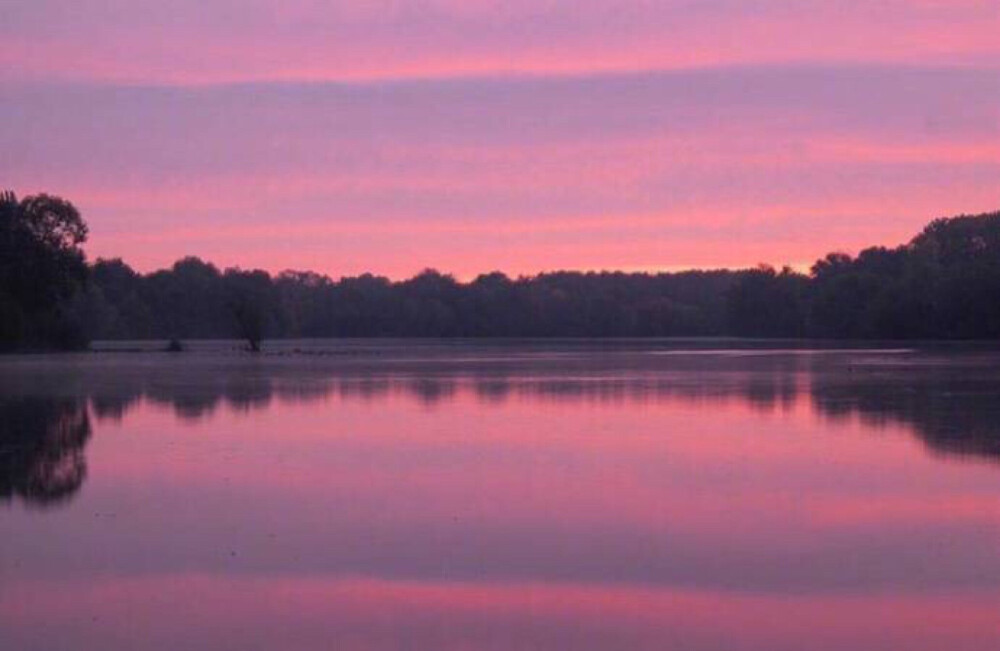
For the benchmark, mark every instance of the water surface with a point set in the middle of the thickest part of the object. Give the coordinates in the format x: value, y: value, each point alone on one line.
x: 569, y: 495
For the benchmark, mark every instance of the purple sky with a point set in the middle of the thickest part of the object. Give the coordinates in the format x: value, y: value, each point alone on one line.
x: 522, y: 136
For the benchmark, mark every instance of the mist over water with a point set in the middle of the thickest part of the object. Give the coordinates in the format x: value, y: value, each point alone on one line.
x: 390, y: 495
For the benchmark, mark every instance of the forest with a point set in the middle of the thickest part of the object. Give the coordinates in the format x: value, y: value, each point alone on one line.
x: 943, y: 284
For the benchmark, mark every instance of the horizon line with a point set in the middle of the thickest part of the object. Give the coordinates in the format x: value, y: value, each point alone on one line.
x: 652, y: 270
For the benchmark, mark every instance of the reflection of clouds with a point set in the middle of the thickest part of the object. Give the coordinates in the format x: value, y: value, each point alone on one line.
x: 241, y: 611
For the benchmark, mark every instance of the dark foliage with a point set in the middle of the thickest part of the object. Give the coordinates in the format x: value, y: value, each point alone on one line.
x: 195, y: 300
x: 944, y: 284
x: 767, y: 303
x: 42, y: 269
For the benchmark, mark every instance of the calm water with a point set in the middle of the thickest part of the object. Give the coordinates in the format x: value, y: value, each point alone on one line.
x: 557, y: 496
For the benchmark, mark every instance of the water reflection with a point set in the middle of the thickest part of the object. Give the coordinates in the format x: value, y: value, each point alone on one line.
x: 42, y: 449
x: 952, y: 408
x: 952, y: 415
x: 703, y: 502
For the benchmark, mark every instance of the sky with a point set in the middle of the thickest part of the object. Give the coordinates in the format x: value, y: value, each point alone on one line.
x: 524, y: 136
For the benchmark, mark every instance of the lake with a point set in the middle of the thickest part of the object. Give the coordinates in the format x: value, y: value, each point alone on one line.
x: 702, y: 495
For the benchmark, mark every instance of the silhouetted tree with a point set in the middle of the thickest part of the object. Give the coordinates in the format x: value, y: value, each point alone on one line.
x: 250, y: 299
x: 42, y: 266
x: 944, y: 284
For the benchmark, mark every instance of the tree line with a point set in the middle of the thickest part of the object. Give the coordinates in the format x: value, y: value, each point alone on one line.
x: 943, y: 284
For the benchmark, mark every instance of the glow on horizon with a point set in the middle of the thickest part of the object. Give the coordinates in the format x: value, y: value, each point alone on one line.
x: 479, y: 136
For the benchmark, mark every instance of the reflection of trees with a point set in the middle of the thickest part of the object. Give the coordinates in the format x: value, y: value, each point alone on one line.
x: 191, y: 400
x: 950, y: 414
x: 42, y: 449
x: 956, y: 411
x: 953, y: 409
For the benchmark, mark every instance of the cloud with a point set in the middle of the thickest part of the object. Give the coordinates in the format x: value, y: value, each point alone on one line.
x: 233, y: 40
x: 572, y: 170
x: 635, y: 134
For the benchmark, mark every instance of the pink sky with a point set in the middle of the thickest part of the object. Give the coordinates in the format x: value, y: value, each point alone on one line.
x: 522, y: 136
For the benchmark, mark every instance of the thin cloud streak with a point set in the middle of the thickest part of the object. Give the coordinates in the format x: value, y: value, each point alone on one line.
x: 228, y: 40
